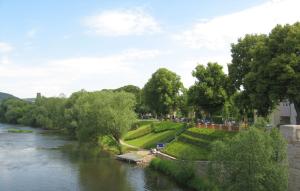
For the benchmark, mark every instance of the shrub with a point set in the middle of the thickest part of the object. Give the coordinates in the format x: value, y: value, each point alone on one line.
x: 177, y: 170
x: 252, y: 160
x: 183, y: 173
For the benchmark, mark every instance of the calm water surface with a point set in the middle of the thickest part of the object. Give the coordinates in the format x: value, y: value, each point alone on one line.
x: 36, y: 162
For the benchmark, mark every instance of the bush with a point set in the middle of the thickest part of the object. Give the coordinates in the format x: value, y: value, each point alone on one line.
x: 253, y: 160
x: 261, y: 123
x: 182, y: 173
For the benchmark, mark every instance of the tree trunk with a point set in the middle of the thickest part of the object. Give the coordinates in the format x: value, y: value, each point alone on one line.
x: 297, y: 108
x: 117, y: 139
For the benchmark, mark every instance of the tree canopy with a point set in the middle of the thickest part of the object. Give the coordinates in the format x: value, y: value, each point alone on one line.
x: 104, y: 113
x: 209, y: 91
x: 267, y: 68
x: 162, y: 91
x: 85, y: 115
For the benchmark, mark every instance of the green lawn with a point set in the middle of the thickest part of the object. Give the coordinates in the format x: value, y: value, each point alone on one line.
x: 139, y: 132
x: 166, y: 125
x: 149, y: 133
x: 194, y: 143
x: 184, y: 150
x: 150, y: 140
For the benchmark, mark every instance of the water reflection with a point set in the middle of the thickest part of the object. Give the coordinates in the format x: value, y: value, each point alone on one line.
x: 33, y: 162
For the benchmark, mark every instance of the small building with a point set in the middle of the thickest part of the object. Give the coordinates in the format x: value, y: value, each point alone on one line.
x: 284, y: 113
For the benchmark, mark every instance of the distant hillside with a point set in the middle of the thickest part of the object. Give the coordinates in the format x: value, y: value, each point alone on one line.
x: 5, y: 96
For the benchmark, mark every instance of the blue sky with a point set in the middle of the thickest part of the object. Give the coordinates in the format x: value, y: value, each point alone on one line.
x: 63, y: 46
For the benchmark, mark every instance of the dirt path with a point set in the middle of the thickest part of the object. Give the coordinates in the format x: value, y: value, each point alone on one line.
x: 127, y: 145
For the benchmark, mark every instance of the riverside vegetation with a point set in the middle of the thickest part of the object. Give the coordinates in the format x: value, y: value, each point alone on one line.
x: 85, y: 116
x: 264, y: 71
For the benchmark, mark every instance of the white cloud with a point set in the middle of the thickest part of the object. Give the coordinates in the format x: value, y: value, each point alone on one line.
x: 218, y: 33
x: 122, y: 23
x: 71, y: 74
x: 5, y: 47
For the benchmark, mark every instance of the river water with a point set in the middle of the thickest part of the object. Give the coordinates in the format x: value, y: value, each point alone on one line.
x: 36, y: 162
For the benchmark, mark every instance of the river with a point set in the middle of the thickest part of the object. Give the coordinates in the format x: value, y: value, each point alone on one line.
x: 36, y: 162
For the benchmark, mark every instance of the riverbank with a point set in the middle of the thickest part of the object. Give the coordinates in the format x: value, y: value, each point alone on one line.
x: 187, y: 148
x: 49, y: 162
x: 183, y: 172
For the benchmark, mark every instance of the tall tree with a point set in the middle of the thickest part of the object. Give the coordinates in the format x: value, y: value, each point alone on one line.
x: 140, y: 107
x: 270, y: 68
x: 103, y: 113
x: 162, y: 92
x: 209, y: 91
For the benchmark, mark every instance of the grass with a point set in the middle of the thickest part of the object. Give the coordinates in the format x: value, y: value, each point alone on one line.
x: 19, y: 131
x: 144, y: 122
x: 183, y: 173
x: 139, y: 132
x: 149, y: 133
x: 191, y: 144
x: 109, y: 144
x: 183, y: 150
x: 194, y: 143
x: 150, y: 140
x: 166, y: 125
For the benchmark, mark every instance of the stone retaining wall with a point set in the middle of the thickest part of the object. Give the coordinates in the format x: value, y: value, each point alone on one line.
x: 292, y: 134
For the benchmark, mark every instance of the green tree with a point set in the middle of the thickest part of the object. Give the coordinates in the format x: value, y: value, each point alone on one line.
x: 183, y: 107
x: 209, y: 91
x: 162, y: 92
x: 49, y: 112
x: 140, y: 107
x: 268, y: 68
x: 243, y: 54
x: 253, y: 160
x: 103, y: 113
x: 71, y: 113
x: 12, y: 110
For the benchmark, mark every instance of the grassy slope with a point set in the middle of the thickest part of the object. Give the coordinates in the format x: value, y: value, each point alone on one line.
x: 149, y: 134
x: 139, y: 132
x: 150, y: 140
x: 194, y: 143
